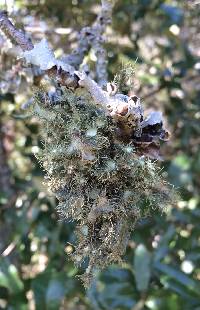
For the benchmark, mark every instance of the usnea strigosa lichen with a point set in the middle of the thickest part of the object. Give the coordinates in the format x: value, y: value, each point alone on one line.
x: 99, y: 149
x: 93, y: 155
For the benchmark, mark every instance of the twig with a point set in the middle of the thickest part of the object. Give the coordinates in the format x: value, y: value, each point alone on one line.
x: 75, y: 59
x: 7, y: 251
x: 93, y: 37
x: 97, y: 40
x: 9, y: 29
x: 153, y: 92
x: 141, y: 303
x: 160, y: 87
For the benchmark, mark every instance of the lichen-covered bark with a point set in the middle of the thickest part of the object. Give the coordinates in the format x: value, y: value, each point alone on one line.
x: 92, y: 37
x: 18, y: 36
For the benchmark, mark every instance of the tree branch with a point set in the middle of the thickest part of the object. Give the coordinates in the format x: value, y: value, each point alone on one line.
x: 13, y: 33
x: 97, y: 42
x: 93, y: 37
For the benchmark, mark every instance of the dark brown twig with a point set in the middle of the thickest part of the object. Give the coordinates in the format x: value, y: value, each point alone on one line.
x: 153, y: 92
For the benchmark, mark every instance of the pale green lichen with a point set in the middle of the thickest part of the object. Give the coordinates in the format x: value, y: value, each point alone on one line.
x: 99, y: 179
x: 124, y: 78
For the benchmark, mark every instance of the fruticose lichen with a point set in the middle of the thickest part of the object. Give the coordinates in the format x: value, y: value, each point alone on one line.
x: 99, y: 148
x: 94, y: 167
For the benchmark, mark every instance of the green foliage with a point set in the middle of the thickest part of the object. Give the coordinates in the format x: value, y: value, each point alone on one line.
x: 115, y: 289
x: 142, y: 262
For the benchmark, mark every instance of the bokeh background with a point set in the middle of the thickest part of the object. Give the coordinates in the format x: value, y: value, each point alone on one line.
x: 161, y: 268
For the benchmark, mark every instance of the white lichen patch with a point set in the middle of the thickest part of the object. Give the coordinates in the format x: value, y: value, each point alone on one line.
x: 153, y: 118
x: 43, y: 56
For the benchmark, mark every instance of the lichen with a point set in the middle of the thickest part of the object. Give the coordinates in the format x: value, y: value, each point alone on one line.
x: 43, y: 57
x: 99, y: 178
x: 124, y: 78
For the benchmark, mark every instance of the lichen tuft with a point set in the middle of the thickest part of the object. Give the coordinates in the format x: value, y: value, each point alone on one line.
x: 99, y: 178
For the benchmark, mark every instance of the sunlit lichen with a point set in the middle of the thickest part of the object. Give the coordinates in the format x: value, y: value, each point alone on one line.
x: 99, y: 179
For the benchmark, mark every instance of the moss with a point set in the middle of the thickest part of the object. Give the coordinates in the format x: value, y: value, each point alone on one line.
x: 100, y: 181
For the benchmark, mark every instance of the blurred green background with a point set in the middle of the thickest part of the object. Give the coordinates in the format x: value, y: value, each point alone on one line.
x: 161, y: 269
